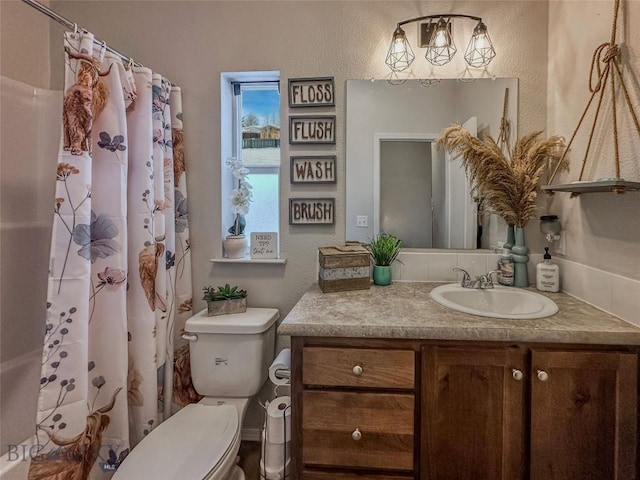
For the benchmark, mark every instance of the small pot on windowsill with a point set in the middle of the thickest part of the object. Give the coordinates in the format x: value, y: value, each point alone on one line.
x: 235, y: 246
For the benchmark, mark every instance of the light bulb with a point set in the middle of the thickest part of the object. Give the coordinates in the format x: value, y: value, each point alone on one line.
x: 481, y: 41
x: 441, y: 39
x: 399, y: 46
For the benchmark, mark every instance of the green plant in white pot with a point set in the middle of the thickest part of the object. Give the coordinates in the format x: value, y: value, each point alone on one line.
x: 384, y: 249
x: 224, y: 300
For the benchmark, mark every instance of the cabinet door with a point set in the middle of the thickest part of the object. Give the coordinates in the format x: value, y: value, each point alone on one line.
x: 473, y: 418
x: 583, y: 415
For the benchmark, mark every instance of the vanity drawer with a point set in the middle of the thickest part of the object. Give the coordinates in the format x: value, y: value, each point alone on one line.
x: 346, y: 429
x: 358, y: 367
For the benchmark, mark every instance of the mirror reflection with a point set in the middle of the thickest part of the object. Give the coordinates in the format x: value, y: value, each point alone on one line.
x: 398, y: 181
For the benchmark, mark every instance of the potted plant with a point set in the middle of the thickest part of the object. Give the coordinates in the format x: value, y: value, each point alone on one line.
x: 235, y: 244
x: 225, y: 300
x: 384, y: 249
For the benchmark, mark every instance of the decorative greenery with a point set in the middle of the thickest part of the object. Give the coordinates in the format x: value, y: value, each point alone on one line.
x: 384, y: 249
x: 222, y: 293
x: 509, y: 186
x: 240, y: 197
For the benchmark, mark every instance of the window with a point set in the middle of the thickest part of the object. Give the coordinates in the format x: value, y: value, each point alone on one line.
x: 251, y: 133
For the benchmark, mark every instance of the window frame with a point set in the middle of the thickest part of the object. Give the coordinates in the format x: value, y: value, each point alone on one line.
x: 231, y: 139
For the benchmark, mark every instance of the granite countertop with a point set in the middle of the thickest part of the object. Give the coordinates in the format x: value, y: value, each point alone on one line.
x: 405, y: 310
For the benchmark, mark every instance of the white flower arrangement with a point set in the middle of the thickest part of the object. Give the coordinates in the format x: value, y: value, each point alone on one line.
x: 239, y: 197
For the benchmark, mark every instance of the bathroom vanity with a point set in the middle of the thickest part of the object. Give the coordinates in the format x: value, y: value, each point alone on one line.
x: 389, y: 385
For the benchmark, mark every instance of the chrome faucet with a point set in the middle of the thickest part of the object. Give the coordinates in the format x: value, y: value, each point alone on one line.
x: 486, y: 280
x: 480, y: 282
x: 466, y: 278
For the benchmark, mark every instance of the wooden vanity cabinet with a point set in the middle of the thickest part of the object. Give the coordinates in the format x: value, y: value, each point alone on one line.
x: 487, y: 414
x: 469, y: 410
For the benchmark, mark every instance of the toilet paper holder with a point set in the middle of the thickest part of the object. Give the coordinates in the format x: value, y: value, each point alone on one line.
x: 283, y: 374
x: 276, y: 439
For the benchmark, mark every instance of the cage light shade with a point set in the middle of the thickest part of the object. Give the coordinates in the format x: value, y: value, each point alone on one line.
x: 441, y: 48
x: 400, y: 55
x: 480, y: 50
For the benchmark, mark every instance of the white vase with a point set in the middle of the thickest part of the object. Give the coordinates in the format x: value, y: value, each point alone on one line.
x: 235, y: 246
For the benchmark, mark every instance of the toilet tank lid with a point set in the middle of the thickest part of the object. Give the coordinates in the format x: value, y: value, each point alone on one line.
x: 254, y: 320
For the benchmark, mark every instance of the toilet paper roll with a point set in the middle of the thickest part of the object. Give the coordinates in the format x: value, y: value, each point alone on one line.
x: 274, y: 474
x: 281, y: 362
x: 278, y: 427
x: 275, y: 455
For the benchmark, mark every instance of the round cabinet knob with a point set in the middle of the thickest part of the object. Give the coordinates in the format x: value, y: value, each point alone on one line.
x: 357, y: 370
x: 356, y: 435
x: 517, y: 374
x: 543, y: 376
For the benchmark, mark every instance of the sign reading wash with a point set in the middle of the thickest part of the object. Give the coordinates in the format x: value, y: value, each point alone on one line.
x: 312, y: 129
x: 313, y: 169
x: 312, y: 211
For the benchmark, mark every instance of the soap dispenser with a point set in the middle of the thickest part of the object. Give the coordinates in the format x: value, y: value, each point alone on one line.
x: 547, y: 274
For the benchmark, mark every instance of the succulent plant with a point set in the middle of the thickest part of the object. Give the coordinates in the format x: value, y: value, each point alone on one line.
x: 222, y: 293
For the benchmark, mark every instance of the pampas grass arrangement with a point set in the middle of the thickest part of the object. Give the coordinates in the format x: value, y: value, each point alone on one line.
x: 508, y: 186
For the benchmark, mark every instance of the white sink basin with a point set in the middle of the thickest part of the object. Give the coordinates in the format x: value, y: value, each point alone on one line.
x: 497, y: 302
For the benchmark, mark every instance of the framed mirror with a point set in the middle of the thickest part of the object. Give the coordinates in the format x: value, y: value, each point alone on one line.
x: 398, y: 182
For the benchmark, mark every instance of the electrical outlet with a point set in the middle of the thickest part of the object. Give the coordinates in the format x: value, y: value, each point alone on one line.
x: 561, y: 244
x: 362, y: 221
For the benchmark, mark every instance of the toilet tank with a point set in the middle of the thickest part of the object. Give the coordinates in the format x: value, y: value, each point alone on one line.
x: 231, y: 354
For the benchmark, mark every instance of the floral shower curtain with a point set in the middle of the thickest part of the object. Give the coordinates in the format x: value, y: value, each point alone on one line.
x: 120, y: 274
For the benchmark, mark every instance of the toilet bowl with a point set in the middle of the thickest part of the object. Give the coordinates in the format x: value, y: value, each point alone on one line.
x: 230, y: 355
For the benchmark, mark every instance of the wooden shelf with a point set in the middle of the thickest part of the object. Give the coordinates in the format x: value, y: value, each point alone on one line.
x: 253, y: 261
x: 576, y: 188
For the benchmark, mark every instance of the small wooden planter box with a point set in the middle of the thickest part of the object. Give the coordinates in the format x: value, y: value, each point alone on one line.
x: 223, y: 307
x: 344, y: 268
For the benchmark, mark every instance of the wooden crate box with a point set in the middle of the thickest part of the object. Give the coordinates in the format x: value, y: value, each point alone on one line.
x: 344, y: 268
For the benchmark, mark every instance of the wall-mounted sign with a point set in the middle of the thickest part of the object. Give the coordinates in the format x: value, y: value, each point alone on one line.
x: 314, y: 169
x: 312, y: 129
x: 311, y: 92
x: 312, y: 211
x: 264, y: 245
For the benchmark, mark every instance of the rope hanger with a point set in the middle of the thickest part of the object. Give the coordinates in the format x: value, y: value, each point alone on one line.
x: 608, y: 55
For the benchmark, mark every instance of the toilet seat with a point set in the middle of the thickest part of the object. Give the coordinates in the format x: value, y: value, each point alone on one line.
x: 191, y: 445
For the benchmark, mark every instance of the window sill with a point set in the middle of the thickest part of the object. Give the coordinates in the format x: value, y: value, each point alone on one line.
x: 253, y: 261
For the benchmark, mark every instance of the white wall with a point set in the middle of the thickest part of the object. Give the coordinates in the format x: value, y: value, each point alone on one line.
x: 602, y: 229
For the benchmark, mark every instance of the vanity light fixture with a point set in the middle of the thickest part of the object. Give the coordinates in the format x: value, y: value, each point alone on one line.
x: 436, y: 36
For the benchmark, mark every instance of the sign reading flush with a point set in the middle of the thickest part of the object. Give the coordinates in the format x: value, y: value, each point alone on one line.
x: 312, y: 129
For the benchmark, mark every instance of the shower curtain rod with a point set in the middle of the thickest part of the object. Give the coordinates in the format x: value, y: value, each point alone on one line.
x: 74, y: 26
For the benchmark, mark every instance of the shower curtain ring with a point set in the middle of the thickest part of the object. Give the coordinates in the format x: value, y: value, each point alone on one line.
x: 75, y: 28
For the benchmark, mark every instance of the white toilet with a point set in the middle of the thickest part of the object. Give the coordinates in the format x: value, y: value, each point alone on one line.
x: 230, y: 357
